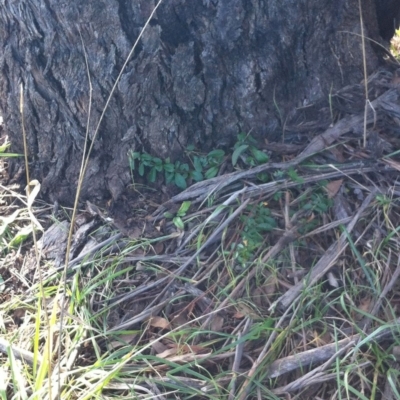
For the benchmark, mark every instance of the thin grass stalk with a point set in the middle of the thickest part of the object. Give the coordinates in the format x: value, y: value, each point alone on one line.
x: 367, y: 102
x: 48, y: 344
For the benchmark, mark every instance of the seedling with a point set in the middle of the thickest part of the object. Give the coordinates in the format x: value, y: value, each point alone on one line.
x: 203, y: 166
x: 3, y: 151
x: 246, y: 150
x: 178, y: 173
x: 257, y: 221
x: 177, y: 218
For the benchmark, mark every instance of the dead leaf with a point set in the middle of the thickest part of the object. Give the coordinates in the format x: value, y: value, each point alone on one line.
x: 178, y: 321
x: 319, y: 340
x: 262, y: 295
x: 168, y: 353
x: 158, y: 248
x: 159, y: 322
x: 269, y: 287
x: 158, y: 347
x: 182, y: 350
x: 332, y: 280
x: 365, y: 304
x: 124, y: 340
x: 193, y: 349
x: 217, y: 323
x: 246, y: 311
x: 396, y: 352
x: 333, y: 187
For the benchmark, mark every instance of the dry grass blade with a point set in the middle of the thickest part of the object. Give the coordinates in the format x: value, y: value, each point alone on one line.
x: 326, y: 262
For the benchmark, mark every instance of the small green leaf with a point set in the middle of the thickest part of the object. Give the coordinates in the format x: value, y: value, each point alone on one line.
x: 169, y: 167
x: 4, y: 147
x: 204, y: 161
x: 251, y: 140
x: 241, y: 137
x: 197, y: 164
x: 141, y: 169
x: 183, y: 208
x: 250, y: 161
x: 134, y: 155
x: 178, y: 223
x: 266, y: 227
x: 21, y: 236
x: 236, y: 154
x: 168, y: 215
x: 260, y: 156
x: 197, y: 176
x: 169, y: 177
x: 146, y: 157
x: 152, y: 175
x: 184, y: 168
x: 211, y: 173
x: 294, y: 176
x: 190, y: 147
x: 216, y: 154
x: 263, y: 177
x: 180, y: 181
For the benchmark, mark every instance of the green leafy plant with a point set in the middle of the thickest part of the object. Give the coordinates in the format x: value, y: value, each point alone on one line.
x: 178, y: 173
x: 257, y: 221
x: 203, y: 166
x: 177, y: 218
x: 3, y: 151
x: 245, y: 149
x: 316, y: 204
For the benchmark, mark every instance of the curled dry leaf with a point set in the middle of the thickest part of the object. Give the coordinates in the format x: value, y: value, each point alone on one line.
x: 159, y: 248
x: 262, y: 295
x: 245, y: 311
x: 124, y: 340
x: 168, y: 353
x: 332, y: 280
x: 183, y: 350
x: 158, y: 347
x: 333, y: 187
x: 366, y: 304
x: 159, y: 322
x: 217, y: 323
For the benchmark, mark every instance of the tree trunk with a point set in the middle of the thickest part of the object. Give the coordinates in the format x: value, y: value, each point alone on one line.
x: 203, y: 72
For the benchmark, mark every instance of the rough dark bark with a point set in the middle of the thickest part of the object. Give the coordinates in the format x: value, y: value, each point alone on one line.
x: 203, y: 72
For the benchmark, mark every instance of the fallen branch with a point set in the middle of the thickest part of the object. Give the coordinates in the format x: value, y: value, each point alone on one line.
x: 323, y: 353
